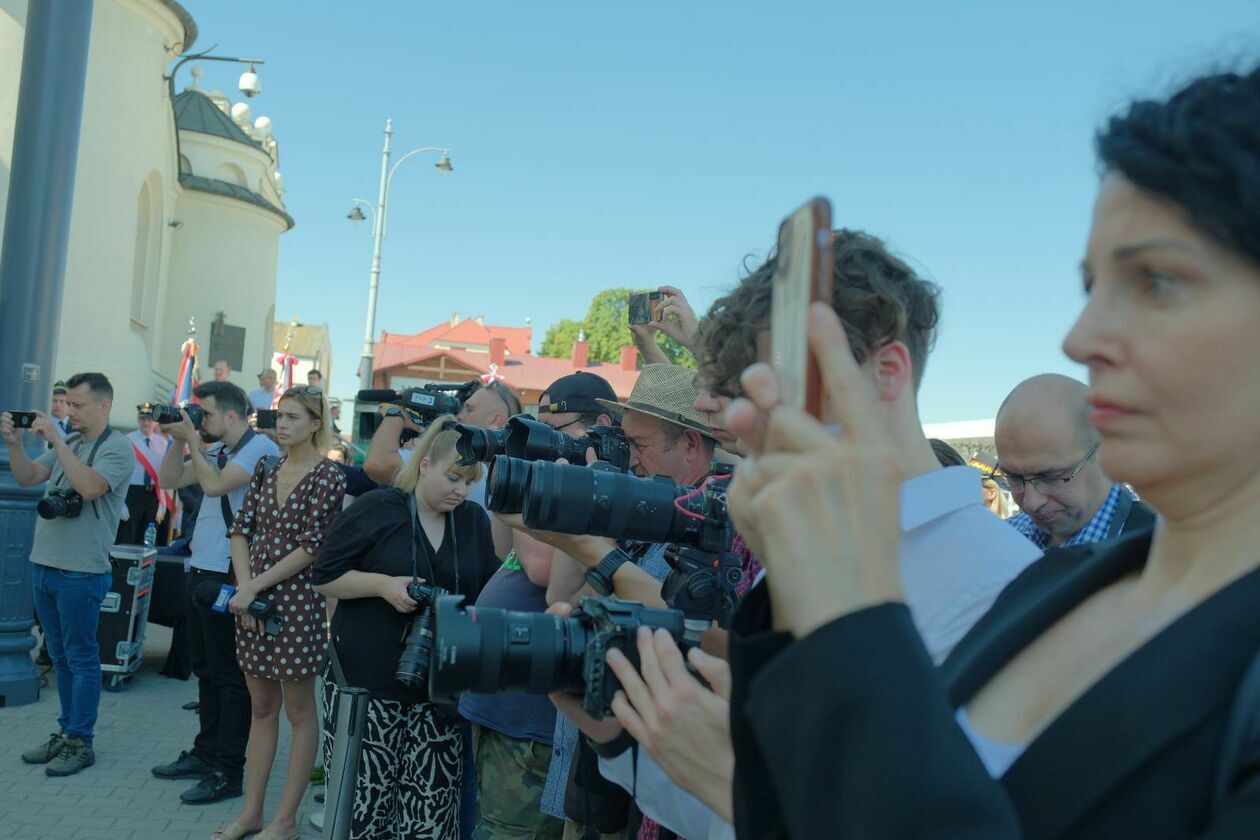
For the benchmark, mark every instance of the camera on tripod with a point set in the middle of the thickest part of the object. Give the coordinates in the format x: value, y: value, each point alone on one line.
x: 413, y: 665
x: 166, y: 414
x: 491, y: 650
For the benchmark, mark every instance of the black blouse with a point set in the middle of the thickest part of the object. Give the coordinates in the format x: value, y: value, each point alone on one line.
x: 372, y: 535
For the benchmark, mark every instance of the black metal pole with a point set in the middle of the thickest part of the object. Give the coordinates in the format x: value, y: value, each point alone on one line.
x: 32, y: 271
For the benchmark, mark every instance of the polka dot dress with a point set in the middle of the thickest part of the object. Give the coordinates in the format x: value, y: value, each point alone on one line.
x: 274, y: 531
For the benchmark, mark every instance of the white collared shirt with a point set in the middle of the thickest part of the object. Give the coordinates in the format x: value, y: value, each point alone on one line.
x: 152, y: 448
x: 955, y: 558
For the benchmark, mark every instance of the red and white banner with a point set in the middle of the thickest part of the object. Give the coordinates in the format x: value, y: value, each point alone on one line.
x: 286, y: 363
x: 166, y: 498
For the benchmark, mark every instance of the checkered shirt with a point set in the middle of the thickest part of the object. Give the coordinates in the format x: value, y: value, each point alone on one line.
x: 1095, y: 530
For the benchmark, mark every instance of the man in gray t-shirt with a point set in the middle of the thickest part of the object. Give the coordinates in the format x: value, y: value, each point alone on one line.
x: 87, y: 475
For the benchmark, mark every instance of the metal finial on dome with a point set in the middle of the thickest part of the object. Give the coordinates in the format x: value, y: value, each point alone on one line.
x: 196, y: 78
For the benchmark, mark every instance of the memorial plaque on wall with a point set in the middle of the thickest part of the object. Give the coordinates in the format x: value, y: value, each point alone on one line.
x: 228, y: 343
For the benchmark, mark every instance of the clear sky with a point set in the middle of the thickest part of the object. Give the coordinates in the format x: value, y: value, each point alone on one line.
x: 601, y: 144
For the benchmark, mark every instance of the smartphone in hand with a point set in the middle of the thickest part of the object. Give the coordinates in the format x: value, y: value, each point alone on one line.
x: 803, y: 274
x: 23, y: 419
x: 645, y: 307
x: 266, y: 418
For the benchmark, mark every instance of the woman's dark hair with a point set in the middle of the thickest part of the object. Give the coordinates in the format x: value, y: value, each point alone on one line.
x: 1201, y: 151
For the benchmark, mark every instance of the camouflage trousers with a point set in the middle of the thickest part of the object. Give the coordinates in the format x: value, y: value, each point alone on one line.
x: 510, y: 777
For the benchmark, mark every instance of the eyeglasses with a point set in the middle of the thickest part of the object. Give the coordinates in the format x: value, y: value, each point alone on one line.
x: 309, y: 390
x: 1041, y: 483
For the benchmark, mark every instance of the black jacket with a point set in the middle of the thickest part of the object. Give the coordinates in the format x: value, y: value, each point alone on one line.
x: 850, y: 732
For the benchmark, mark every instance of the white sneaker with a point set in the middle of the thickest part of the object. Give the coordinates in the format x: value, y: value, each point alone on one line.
x: 317, y: 819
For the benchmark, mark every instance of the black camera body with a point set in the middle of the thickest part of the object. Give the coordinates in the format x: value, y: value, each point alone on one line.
x: 491, y: 650
x: 60, y: 503
x: 413, y: 665
x: 166, y: 414
x: 264, y: 609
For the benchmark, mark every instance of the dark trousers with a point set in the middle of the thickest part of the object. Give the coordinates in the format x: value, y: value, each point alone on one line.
x: 222, y: 693
x: 142, y: 508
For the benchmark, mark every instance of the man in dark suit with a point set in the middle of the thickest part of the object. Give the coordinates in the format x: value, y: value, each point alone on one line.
x: 1046, y: 459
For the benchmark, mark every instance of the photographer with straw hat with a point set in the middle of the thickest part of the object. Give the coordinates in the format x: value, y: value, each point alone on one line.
x: 669, y: 437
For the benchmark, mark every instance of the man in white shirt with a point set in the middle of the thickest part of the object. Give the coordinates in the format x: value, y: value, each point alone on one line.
x: 265, y: 393
x: 60, y: 410
x: 955, y: 556
x: 142, y: 494
x: 223, y: 470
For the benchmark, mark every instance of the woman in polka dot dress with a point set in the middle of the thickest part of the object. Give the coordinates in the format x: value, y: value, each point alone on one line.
x: 287, y: 511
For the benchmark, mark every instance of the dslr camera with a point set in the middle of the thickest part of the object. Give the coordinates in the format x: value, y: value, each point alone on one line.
x: 529, y: 439
x: 67, y: 503
x: 413, y: 665
x: 492, y: 650
x: 166, y: 414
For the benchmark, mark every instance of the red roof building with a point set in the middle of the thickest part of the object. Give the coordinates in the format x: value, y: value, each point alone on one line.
x: 463, y: 349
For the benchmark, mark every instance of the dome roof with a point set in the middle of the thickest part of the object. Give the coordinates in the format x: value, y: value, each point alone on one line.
x: 194, y: 111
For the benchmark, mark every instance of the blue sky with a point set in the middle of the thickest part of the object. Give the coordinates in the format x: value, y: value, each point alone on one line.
x: 601, y: 144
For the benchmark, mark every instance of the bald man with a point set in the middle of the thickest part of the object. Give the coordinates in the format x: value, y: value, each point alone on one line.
x: 1048, y: 455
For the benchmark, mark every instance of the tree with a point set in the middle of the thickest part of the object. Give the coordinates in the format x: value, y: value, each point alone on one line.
x: 606, y: 331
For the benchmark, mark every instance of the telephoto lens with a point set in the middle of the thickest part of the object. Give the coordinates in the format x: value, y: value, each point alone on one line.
x: 491, y: 650
x: 476, y: 444
x: 413, y: 665
x: 505, y: 486
x: 532, y: 440
x: 602, y: 502
x: 57, y: 503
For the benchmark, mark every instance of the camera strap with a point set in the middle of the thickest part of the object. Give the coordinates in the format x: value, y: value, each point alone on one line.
x: 76, y: 443
x: 432, y: 561
x: 222, y: 458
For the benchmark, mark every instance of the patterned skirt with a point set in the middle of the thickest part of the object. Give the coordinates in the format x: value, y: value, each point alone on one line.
x: 409, y: 771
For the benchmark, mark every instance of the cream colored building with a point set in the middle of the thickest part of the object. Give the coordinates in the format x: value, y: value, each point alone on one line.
x: 309, y: 344
x: 167, y: 224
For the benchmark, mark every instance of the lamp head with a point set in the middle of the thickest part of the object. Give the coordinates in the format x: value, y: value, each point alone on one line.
x: 250, y: 85
x: 444, y: 165
x: 355, y: 214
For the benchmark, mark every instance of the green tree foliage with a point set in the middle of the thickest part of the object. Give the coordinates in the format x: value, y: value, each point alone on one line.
x: 606, y: 331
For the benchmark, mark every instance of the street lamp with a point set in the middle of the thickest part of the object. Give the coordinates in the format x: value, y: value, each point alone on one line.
x: 378, y: 234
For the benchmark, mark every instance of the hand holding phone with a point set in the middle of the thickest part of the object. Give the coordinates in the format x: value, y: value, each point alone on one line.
x: 266, y: 418
x: 23, y: 419
x: 645, y: 307
x: 803, y: 274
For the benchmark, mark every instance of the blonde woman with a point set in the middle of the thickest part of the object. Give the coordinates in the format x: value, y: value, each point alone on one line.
x: 287, y: 512
x: 423, y: 527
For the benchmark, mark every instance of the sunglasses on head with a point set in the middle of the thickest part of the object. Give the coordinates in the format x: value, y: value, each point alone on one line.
x: 310, y: 390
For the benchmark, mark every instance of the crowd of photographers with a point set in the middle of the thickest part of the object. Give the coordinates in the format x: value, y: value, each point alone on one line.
x: 701, y: 612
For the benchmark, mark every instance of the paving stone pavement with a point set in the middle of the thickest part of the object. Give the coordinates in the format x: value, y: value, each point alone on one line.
x: 118, y: 798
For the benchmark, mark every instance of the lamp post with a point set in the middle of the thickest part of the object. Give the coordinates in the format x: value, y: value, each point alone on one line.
x: 32, y: 274
x: 378, y: 235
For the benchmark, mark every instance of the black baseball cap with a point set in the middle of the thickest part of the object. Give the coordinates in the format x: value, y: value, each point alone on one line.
x: 577, y: 393
x: 59, y: 387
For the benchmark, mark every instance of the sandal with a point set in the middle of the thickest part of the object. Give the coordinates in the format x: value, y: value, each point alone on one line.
x: 233, y: 831
x: 268, y: 834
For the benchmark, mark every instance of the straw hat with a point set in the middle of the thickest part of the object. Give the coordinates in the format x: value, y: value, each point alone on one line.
x: 666, y: 392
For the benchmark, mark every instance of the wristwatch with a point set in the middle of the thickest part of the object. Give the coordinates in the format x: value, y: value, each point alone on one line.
x: 613, y: 748
x: 600, y: 577
x: 393, y: 411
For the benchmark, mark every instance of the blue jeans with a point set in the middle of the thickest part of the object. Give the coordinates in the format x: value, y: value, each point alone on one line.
x: 69, y: 607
